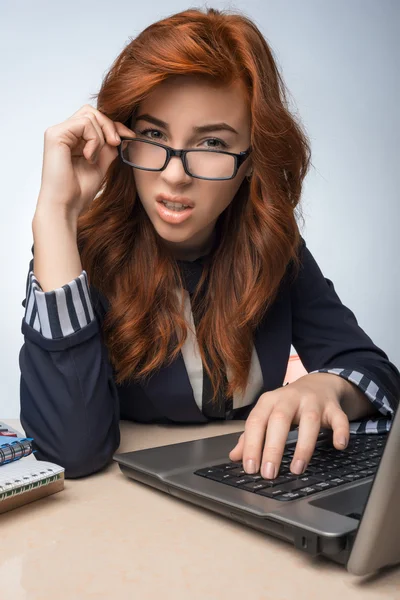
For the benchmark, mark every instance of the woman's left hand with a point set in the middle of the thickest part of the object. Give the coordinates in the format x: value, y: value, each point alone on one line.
x: 312, y: 402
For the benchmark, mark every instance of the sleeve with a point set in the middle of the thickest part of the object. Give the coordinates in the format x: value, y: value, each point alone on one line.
x: 69, y: 399
x: 374, y: 394
x: 328, y: 339
x: 60, y: 312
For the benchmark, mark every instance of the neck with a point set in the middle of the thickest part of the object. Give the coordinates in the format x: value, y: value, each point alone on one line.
x: 191, y: 251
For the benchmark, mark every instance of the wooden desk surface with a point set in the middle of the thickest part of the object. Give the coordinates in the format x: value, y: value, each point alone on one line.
x: 108, y: 537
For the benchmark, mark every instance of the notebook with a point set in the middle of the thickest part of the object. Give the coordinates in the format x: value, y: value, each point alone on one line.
x: 24, y: 481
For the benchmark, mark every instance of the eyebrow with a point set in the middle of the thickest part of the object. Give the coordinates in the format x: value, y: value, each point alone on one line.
x: 198, y: 129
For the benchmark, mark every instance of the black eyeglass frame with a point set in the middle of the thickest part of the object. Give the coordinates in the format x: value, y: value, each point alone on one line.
x: 239, y: 158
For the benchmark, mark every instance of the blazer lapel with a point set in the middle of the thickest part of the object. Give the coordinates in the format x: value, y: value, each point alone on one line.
x: 272, y: 341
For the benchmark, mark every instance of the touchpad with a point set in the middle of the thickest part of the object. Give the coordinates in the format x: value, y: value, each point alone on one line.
x: 345, y: 502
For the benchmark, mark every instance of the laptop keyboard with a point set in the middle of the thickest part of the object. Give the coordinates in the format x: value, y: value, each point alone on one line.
x: 328, y: 468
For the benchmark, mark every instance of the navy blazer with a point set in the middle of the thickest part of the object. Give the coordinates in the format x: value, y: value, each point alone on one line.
x: 71, y: 405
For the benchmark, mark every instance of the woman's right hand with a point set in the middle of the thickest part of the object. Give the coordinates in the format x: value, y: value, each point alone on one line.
x: 77, y: 154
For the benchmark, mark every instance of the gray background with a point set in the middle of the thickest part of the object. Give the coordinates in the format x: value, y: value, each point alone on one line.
x: 340, y: 61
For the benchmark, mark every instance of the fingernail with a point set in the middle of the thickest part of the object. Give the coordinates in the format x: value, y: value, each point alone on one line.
x: 342, y: 441
x: 118, y: 139
x: 298, y: 467
x: 250, y: 466
x: 269, y: 471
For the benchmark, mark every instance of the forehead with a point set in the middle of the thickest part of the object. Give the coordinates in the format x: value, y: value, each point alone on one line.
x: 195, y: 100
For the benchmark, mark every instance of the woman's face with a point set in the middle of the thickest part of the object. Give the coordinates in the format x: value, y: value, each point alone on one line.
x: 183, y: 103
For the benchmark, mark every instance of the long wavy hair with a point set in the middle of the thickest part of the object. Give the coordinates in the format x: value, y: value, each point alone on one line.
x: 144, y: 327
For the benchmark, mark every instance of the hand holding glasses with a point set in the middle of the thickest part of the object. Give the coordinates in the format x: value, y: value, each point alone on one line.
x: 77, y: 154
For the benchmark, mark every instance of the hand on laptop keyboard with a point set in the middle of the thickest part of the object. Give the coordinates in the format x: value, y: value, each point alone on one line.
x: 328, y: 468
x: 312, y: 402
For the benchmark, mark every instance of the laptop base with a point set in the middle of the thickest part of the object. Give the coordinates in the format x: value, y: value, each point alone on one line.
x: 335, y: 548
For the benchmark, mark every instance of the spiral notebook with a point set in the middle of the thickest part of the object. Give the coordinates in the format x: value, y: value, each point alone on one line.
x: 28, y: 480
x: 23, y: 479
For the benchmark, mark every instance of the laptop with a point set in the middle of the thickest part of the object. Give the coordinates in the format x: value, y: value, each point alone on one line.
x: 344, y: 507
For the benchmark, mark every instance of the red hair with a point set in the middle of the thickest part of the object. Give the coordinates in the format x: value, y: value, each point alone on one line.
x: 122, y: 253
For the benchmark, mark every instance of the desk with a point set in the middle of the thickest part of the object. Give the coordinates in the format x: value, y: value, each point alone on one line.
x: 107, y: 537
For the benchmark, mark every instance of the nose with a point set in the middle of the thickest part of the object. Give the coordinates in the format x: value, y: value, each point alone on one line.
x: 174, y: 173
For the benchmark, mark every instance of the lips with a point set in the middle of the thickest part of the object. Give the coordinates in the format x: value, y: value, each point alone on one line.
x: 174, y: 217
x: 179, y: 199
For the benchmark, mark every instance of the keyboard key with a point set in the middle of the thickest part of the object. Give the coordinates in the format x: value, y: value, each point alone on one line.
x: 238, y: 472
x: 256, y: 477
x: 333, y: 466
x: 218, y: 476
x: 207, y: 472
x: 324, y: 475
x: 337, y: 481
x: 290, y: 496
x: 307, y: 491
x: 297, y: 484
x: 308, y: 472
x: 307, y: 480
x: 281, y: 479
x: 271, y: 492
x: 352, y: 477
x: 254, y: 487
x: 238, y: 481
x: 228, y: 466
x: 324, y: 485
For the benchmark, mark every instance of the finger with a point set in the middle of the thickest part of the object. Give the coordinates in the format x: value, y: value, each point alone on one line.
x: 113, y: 130
x: 277, y: 433
x: 93, y: 146
x: 123, y: 130
x: 339, y: 423
x: 237, y: 452
x: 78, y: 134
x: 309, y: 427
x: 109, y: 132
x: 100, y: 135
x: 254, y: 438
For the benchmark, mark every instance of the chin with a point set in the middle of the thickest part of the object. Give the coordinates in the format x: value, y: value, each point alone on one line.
x: 175, y: 239
x: 173, y: 236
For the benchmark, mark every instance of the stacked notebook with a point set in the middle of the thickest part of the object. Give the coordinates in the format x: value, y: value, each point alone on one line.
x: 23, y: 480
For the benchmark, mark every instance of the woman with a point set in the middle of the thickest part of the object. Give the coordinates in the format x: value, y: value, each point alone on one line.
x: 167, y: 286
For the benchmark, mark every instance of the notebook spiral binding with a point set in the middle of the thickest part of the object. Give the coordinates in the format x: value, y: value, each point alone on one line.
x: 16, y: 449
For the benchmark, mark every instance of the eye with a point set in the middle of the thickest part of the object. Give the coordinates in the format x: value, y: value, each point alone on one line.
x: 151, y: 130
x: 220, y: 142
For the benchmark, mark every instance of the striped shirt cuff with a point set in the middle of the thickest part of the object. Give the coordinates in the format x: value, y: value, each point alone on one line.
x: 374, y: 394
x: 60, y: 312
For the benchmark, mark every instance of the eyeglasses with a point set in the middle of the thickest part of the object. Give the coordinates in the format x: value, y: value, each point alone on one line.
x: 215, y: 165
